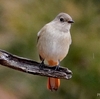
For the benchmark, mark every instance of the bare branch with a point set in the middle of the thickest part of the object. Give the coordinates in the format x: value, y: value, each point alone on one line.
x: 32, y: 67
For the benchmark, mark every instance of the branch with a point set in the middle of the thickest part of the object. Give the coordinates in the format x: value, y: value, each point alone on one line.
x: 32, y: 67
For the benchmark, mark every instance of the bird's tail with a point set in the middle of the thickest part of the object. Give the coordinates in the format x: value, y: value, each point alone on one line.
x: 53, y: 83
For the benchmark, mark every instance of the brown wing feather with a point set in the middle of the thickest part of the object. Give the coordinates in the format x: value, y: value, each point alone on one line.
x: 41, y: 58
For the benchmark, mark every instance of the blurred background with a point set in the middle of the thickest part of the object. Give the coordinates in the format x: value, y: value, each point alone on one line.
x: 20, y: 21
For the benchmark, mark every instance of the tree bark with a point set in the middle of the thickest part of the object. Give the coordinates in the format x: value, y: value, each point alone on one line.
x: 32, y: 67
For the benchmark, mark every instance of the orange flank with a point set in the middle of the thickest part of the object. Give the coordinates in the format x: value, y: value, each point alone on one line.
x: 52, y: 63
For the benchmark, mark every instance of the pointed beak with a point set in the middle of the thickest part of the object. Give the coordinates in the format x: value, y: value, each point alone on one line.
x: 71, y: 21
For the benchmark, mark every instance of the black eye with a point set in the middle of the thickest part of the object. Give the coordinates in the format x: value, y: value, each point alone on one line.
x: 61, y: 19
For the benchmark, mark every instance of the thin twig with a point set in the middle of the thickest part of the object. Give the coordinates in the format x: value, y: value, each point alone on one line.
x: 32, y: 67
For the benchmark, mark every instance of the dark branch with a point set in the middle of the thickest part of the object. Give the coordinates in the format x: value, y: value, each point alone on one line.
x: 32, y: 67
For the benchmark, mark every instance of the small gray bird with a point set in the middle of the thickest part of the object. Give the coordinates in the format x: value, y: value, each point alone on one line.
x: 54, y: 40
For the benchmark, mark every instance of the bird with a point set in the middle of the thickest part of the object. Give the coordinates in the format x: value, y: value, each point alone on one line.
x: 53, y: 42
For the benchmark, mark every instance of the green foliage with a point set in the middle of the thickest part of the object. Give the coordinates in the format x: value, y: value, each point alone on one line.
x: 20, y: 20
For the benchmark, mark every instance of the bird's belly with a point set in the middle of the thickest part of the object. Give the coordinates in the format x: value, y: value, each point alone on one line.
x: 54, y: 46
x: 54, y: 50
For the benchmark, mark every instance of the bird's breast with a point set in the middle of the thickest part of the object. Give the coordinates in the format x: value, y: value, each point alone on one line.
x: 54, y: 45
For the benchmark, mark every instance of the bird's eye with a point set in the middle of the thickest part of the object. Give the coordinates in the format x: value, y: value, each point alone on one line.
x: 61, y: 19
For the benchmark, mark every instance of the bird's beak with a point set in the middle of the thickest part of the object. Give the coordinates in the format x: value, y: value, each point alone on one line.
x: 71, y: 21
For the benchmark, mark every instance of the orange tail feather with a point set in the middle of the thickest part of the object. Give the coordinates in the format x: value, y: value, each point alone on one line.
x: 53, y: 83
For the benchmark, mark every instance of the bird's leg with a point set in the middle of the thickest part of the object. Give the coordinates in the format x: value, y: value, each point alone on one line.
x: 57, y: 67
x: 41, y: 65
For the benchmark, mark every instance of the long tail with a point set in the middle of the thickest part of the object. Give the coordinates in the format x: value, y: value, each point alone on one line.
x: 53, y: 83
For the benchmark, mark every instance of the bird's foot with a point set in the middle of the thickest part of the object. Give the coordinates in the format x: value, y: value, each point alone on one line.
x: 57, y: 67
x: 41, y: 65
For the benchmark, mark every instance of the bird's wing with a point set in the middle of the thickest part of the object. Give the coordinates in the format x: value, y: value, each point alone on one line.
x: 40, y: 33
